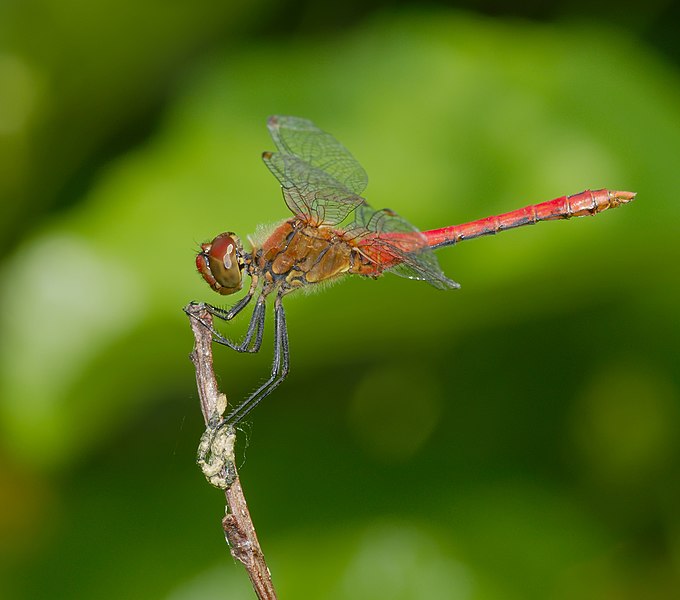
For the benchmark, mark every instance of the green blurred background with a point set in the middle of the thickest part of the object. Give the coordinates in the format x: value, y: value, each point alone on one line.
x: 516, y: 439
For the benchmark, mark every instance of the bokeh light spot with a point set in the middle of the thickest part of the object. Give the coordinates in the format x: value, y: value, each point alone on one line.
x: 394, y: 410
x: 401, y: 561
x: 625, y: 423
x: 17, y: 94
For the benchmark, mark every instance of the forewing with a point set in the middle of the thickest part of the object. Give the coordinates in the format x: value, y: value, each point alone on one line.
x: 311, y: 193
x: 301, y: 138
x: 401, y: 247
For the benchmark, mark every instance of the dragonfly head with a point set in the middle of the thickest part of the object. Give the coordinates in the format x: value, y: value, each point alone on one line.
x: 221, y: 262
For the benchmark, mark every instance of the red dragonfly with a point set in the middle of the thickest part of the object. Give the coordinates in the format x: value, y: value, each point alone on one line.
x: 334, y: 232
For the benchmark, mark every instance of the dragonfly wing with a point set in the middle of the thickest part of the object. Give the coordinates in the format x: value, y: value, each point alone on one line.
x: 426, y: 268
x: 399, y: 246
x: 310, y: 192
x: 301, y: 138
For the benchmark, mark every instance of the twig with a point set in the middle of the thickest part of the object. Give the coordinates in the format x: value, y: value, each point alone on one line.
x: 220, y: 468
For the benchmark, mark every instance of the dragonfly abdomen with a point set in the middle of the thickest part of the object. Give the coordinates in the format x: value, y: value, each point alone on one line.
x: 586, y: 203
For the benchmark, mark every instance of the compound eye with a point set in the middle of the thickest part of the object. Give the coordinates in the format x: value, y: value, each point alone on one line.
x: 222, y: 269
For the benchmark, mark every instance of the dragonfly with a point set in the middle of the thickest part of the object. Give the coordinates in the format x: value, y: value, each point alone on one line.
x: 334, y: 232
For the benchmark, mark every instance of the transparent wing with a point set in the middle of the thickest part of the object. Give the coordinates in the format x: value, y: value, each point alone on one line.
x: 398, y: 247
x: 321, y: 180
x: 319, y: 149
x: 309, y: 192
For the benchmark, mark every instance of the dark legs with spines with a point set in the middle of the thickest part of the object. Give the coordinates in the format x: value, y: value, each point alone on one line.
x: 251, y: 343
x: 279, y: 367
x: 255, y: 327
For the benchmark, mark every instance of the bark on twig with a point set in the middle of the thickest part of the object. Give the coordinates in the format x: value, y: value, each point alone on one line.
x: 237, y: 524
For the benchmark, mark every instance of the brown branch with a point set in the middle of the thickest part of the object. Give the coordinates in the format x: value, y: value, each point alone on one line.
x: 219, y: 467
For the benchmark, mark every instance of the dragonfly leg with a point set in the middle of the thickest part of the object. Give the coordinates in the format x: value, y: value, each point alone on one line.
x: 255, y: 329
x: 227, y: 314
x: 279, y: 368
